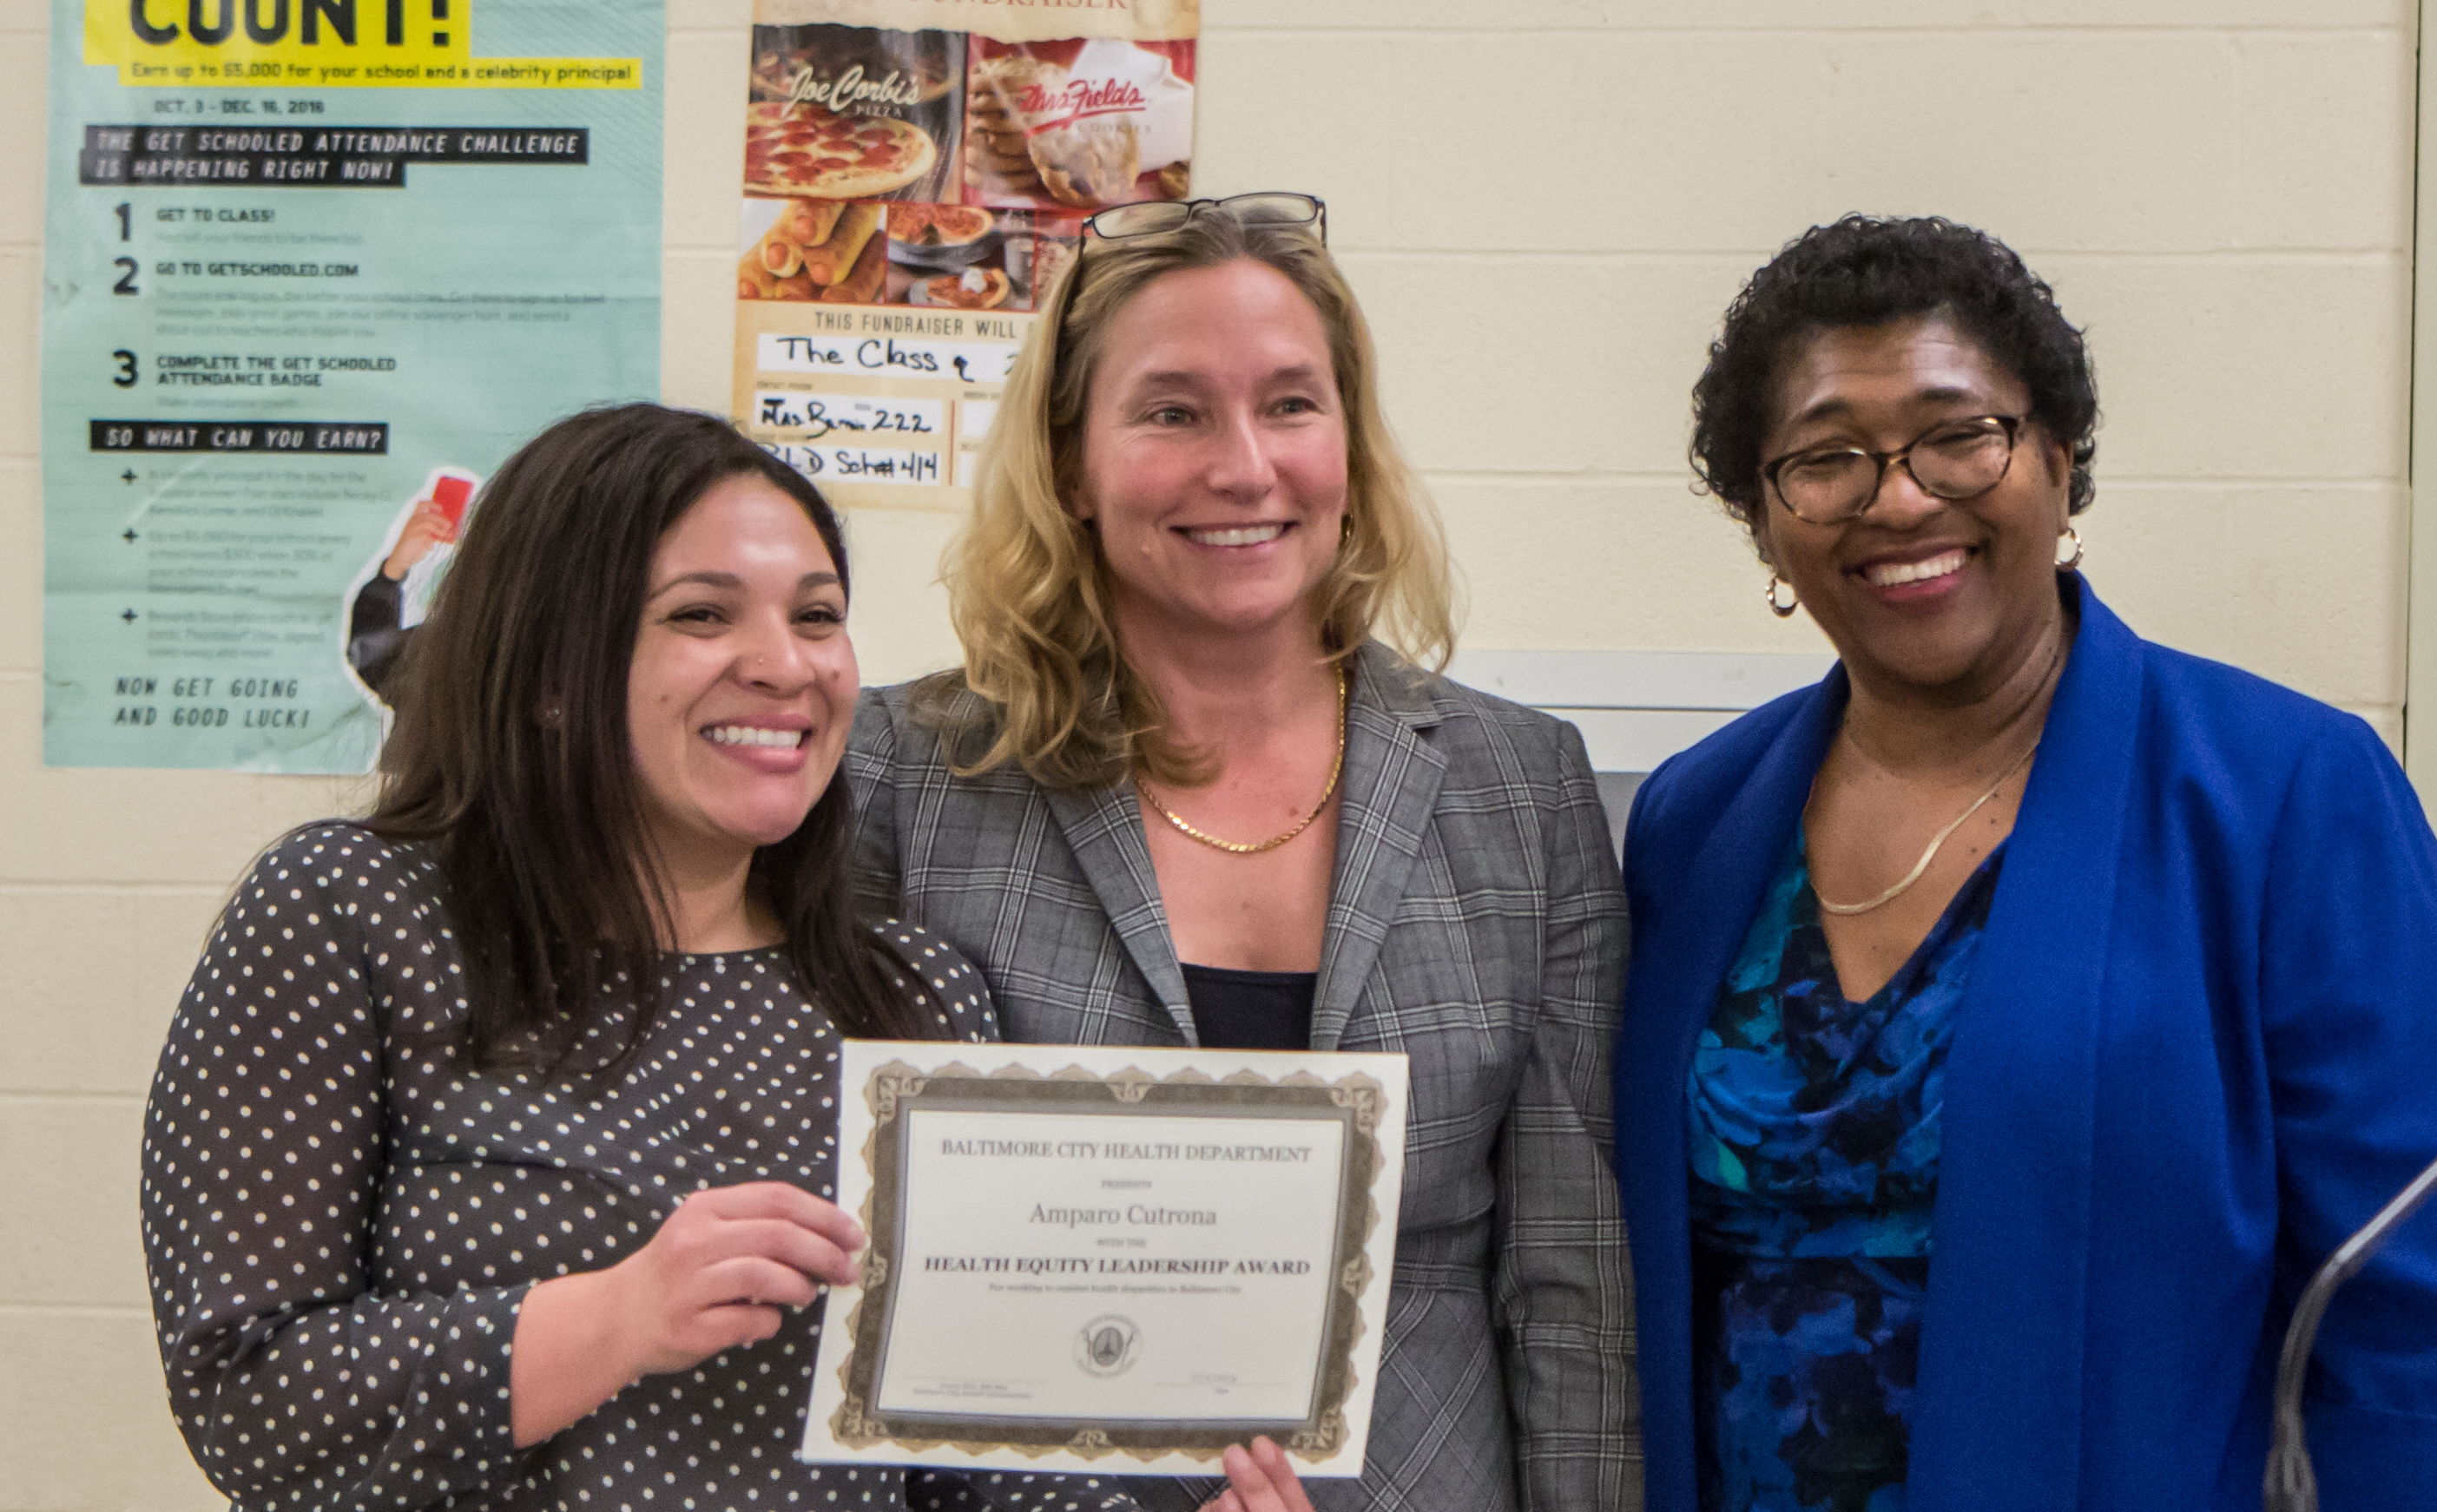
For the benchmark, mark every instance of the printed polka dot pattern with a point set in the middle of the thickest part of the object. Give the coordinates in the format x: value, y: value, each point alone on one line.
x: 340, y: 1224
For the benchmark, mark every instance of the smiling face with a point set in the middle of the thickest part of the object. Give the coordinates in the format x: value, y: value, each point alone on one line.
x: 1213, y: 455
x: 744, y: 681
x: 1919, y: 595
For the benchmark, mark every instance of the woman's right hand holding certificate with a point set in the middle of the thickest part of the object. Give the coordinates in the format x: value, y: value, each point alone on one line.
x: 1258, y: 1480
x: 718, y: 1271
x: 716, y: 1276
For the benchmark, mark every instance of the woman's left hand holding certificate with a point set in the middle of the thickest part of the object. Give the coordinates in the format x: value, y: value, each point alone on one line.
x: 716, y: 1276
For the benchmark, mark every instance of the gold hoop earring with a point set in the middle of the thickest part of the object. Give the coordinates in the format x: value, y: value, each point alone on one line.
x: 1785, y: 610
x: 2068, y: 564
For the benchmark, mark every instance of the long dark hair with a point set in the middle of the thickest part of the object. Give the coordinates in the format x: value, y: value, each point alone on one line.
x: 509, y: 760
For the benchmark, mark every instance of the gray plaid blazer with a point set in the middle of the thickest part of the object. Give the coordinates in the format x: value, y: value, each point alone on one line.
x: 1476, y: 922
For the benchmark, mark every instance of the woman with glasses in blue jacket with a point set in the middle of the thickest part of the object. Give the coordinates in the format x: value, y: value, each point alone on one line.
x: 2017, y: 1017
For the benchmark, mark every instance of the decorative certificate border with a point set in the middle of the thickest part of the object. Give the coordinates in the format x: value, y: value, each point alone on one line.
x: 1361, y: 1105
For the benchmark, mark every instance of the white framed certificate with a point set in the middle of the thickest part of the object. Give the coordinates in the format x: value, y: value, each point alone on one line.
x: 1109, y: 1259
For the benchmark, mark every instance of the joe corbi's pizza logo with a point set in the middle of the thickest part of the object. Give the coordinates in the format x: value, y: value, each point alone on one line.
x: 1079, y: 99
x: 852, y: 89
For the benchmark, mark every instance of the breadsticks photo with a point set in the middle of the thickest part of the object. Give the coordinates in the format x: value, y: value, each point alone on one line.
x: 802, y: 248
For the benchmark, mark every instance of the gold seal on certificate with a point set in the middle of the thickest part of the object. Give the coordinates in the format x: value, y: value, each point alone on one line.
x: 1110, y: 1259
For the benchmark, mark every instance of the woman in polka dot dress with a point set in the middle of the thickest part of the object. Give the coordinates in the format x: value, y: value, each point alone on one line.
x: 440, y: 1210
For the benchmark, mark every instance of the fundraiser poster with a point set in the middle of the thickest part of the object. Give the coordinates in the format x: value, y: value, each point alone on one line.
x: 917, y: 175
x: 311, y: 271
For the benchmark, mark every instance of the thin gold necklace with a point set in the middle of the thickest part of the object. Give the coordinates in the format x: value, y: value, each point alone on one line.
x: 1236, y: 849
x: 1920, y: 867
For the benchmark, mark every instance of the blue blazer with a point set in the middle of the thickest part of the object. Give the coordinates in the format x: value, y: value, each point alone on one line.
x: 2198, y: 1048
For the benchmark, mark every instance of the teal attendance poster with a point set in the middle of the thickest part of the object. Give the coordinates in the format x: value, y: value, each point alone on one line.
x: 312, y: 269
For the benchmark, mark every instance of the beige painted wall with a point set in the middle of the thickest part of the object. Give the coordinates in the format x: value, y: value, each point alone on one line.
x: 1544, y: 219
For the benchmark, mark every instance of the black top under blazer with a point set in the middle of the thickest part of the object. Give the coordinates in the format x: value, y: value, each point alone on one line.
x: 1476, y: 922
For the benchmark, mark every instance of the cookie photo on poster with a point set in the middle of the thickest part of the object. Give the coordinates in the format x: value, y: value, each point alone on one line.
x: 853, y: 112
x: 1079, y: 123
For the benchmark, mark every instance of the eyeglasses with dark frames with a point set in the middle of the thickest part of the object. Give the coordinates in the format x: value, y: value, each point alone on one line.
x: 1268, y: 208
x: 1955, y: 459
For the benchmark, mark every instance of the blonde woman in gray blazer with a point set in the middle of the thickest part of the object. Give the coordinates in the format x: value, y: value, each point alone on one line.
x: 1185, y: 790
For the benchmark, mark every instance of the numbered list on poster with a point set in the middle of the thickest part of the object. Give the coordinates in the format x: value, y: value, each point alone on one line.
x: 311, y: 273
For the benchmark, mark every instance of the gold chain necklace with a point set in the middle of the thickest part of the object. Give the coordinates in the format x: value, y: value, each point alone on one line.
x: 1236, y: 848
x: 1920, y: 867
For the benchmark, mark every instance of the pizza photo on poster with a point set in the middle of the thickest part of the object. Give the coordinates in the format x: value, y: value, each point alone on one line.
x: 854, y: 112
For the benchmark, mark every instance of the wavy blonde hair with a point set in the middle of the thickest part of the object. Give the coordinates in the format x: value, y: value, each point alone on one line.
x: 1028, y: 588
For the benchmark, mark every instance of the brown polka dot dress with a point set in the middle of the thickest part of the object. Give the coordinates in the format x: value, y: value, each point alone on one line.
x: 340, y: 1224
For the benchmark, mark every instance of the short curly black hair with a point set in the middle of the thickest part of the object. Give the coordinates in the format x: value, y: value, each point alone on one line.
x: 1868, y: 270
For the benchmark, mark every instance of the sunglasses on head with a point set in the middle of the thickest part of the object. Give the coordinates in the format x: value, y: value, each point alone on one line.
x: 1268, y: 208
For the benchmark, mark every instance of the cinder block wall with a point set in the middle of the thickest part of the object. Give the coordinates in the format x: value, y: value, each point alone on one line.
x: 1544, y: 217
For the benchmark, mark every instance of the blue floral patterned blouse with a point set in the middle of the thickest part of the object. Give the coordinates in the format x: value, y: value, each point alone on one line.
x: 1813, y: 1139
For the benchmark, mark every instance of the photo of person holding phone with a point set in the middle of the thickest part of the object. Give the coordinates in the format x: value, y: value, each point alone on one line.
x: 389, y: 600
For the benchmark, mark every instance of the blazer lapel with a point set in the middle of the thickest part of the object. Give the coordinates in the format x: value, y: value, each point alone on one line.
x: 2005, y: 1321
x: 1104, y: 831
x: 1733, y: 866
x: 1685, y: 938
x: 1391, y: 784
x: 1724, y: 884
